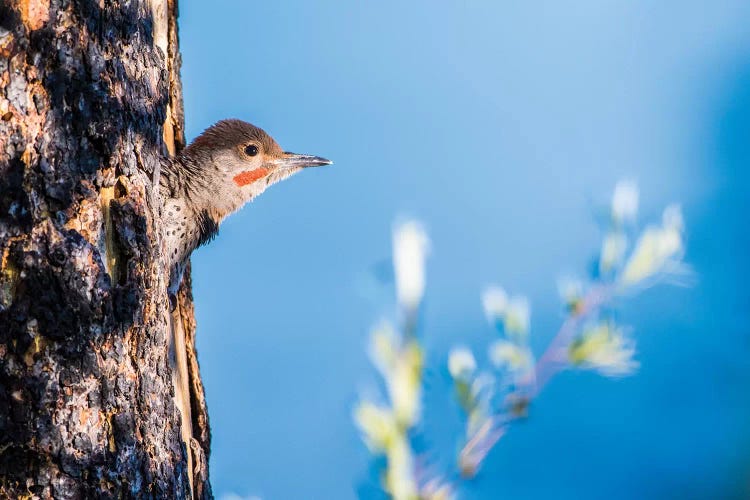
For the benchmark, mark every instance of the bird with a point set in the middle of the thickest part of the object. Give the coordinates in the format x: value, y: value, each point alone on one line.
x: 229, y: 164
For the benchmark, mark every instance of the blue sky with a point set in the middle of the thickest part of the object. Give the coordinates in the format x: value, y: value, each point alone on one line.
x: 501, y: 125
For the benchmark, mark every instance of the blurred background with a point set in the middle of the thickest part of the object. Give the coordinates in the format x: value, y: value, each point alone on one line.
x: 502, y: 125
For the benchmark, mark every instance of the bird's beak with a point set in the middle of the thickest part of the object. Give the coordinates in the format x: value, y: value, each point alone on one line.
x: 293, y: 160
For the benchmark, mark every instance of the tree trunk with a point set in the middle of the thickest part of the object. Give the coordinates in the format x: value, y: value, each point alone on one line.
x: 98, y: 396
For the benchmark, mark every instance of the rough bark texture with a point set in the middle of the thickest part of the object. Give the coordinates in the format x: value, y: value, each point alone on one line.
x: 89, y: 102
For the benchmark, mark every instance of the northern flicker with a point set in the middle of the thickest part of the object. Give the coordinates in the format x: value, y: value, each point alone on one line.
x: 226, y: 166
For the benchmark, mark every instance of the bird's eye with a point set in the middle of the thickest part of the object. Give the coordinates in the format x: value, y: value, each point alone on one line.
x: 251, y: 150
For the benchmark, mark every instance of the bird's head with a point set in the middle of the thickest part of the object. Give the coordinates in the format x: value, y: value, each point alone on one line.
x: 241, y: 161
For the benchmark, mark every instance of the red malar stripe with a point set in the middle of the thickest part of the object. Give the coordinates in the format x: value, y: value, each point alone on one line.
x: 249, y: 176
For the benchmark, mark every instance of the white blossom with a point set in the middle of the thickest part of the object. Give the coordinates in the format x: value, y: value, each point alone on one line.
x: 384, y: 348
x: 659, y: 249
x: 494, y: 302
x: 672, y: 217
x: 625, y: 201
x: 405, y: 385
x: 606, y: 349
x: 514, y: 312
x: 517, y: 316
x: 410, y: 249
x: 505, y: 354
x: 401, y: 368
x: 400, y: 480
x: 613, y: 250
x: 377, y: 424
x: 461, y: 363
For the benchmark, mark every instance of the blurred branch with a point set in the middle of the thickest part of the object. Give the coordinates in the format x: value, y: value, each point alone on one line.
x: 493, y: 399
x: 587, y: 339
x: 388, y: 428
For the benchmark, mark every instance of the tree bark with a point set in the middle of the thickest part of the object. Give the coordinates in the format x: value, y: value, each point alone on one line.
x: 97, y: 400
